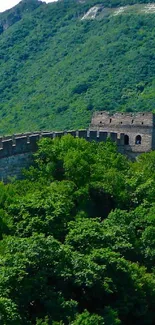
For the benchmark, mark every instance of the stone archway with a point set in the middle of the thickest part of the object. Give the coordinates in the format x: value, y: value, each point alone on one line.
x: 138, y: 139
x: 126, y: 139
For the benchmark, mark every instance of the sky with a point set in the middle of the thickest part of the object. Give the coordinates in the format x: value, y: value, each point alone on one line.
x: 7, y: 4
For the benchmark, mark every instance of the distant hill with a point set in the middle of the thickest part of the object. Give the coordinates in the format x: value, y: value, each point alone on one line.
x: 11, y: 16
x: 62, y: 61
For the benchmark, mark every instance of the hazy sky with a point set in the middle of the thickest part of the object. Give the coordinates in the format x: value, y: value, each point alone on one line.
x: 6, y: 4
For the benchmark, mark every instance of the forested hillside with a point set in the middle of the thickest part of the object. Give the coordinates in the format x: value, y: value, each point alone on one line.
x: 57, y: 66
x: 77, y: 238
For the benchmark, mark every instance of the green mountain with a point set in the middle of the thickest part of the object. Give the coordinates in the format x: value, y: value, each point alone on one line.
x: 62, y: 61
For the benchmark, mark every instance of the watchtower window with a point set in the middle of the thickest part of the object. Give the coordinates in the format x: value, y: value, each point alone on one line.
x: 110, y: 120
x: 132, y: 122
x: 138, y: 139
x: 126, y: 139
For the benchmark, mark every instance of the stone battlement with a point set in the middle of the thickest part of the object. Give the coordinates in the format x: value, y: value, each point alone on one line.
x: 16, y: 151
x: 133, y: 134
x: 123, y: 120
x: 138, y: 129
x: 27, y: 142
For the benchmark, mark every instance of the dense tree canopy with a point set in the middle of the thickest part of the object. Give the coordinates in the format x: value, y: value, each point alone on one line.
x: 77, y: 236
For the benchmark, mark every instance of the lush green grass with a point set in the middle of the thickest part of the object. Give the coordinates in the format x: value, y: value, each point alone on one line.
x: 56, y: 69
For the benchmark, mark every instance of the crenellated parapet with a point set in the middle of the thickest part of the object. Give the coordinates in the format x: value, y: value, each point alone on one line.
x: 132, y: 138
x: 27, y: 142
x: 16, y: 151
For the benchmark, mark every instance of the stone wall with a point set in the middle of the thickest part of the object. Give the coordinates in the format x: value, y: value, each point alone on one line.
x: 16, y: 152
x: 12, y: 166
x: 103, y: 118
x: 132, y: 125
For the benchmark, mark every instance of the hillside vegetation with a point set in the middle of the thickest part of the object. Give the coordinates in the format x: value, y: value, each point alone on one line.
x: 77, y: 238
x: 56, y: 68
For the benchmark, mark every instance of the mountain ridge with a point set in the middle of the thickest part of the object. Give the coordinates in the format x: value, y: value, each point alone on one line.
x: 16, y: 13
x: 57, y: 69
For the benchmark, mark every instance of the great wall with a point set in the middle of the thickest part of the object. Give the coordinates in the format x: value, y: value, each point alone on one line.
x: 133, y: 134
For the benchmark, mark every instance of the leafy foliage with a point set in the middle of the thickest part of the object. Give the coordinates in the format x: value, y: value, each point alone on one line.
x: 77, y: 238
x: 56, y: 69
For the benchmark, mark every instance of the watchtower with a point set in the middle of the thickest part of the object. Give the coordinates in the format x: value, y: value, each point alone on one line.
x: 138, y: 129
